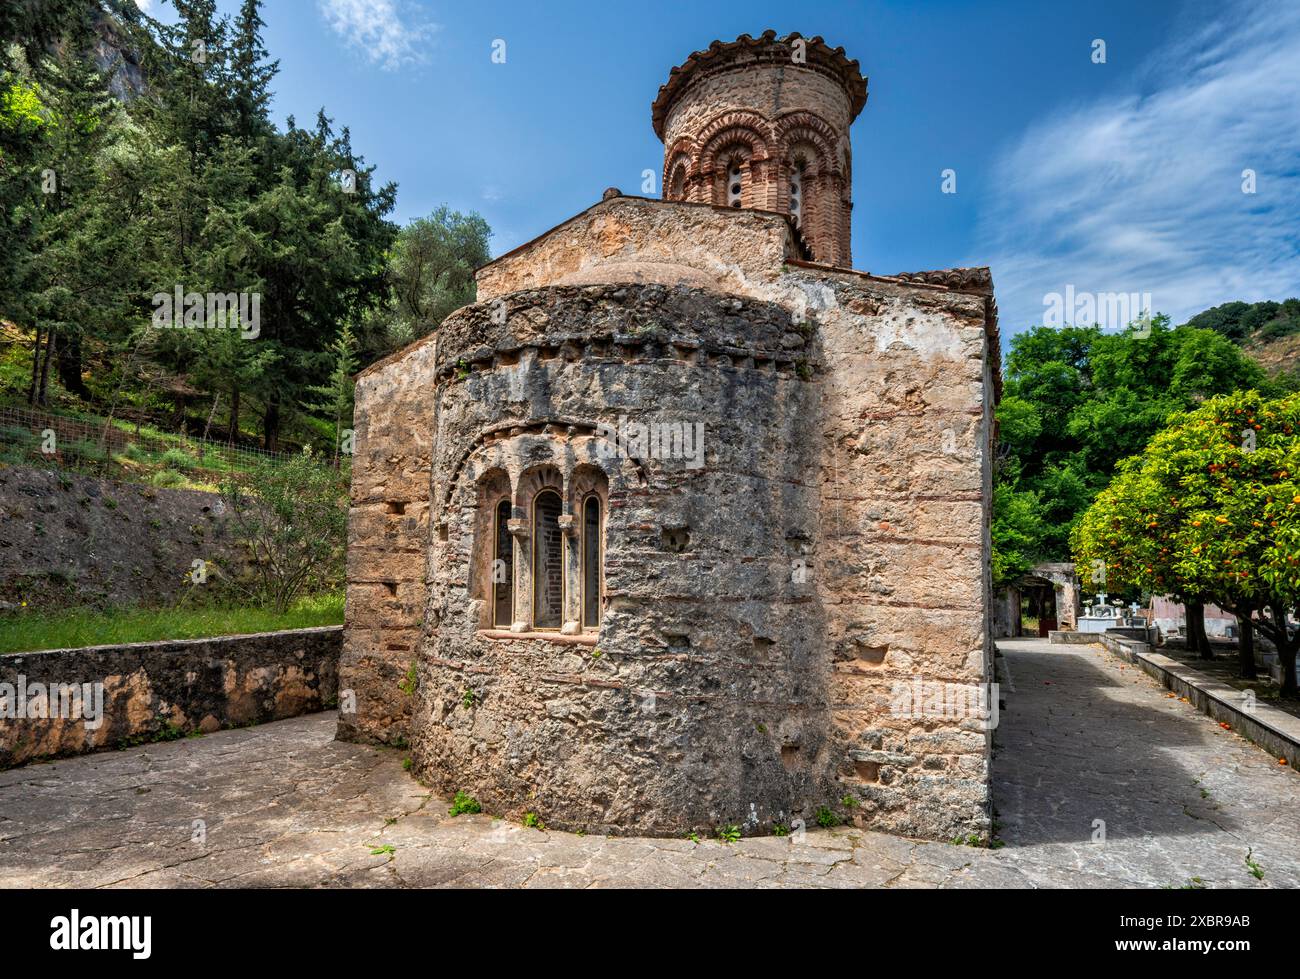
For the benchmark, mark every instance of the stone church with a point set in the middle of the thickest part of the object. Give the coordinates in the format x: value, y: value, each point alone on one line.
x: 685, y: 522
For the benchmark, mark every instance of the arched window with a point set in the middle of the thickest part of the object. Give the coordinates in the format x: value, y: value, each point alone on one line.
x: 796, y: 191
x: 735, y: 184
x: 548, y: 561
x: 677, y: 183
x: 503, y: 570
x: 591, y: 562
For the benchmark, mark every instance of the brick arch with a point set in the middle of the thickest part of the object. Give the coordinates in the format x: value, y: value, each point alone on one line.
x: 683, y: 148
x: 485, y: 478
x: 742, y: 137
x: 492, y: 486
x: 492, y: 449
x: 748, y: 129
x: 815, y: 158
x: 679, y: 155
x: 682, y: 144
x: 825, y: 212
x: 807, y: 127
x: 588, y: 482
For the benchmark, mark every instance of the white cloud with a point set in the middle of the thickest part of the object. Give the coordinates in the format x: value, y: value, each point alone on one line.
x: 1142, y: 192
x: 390, y: 37
x: 145, y: 5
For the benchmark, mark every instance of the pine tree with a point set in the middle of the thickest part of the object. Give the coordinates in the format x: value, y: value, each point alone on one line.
x: 336, y: 397
x: 251, y: 73
x: 78, y: 271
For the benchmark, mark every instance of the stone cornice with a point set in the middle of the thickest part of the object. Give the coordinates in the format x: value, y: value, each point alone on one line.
x: 724, y: 55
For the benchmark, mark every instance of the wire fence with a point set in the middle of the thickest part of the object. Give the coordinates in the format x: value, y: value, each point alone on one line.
x: 101, y: 445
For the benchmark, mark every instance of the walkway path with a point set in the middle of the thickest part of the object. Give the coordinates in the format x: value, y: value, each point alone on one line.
x: 1087, y: 737
x: 1082, y: 738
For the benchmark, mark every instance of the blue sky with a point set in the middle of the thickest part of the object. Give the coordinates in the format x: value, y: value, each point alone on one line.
x: 1116, y: 177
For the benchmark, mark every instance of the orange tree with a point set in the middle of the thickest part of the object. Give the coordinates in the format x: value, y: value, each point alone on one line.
x: 1210, y: 511
x: 1125, y: 541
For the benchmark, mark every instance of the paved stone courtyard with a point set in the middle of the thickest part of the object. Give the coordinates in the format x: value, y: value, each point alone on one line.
x: 1083, y: 737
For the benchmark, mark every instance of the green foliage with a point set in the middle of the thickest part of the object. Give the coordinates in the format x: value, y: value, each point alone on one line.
x: 975, y: 840
x: 1020, y: 423
x: 177, y: 459
x: 407, y: 686
x: 532, y: 821
x: 430, y: 274
x: 33, y: 628
x: 169, y: 732
x: 1240, y: 322
x: 826, y: 817
x: 1209, y: 508
x: 292, y: 517
x: 86, y: 449
x: 191, y: 184
x: 728, y: 834
x: 1076, y: 402
x: 1253, y: 866
x: 337, y: 395
x: 469, y: 698
x: 1210, y: 511
x: 168, y: 478
x: 464, y: 804
x: 1017, y: 531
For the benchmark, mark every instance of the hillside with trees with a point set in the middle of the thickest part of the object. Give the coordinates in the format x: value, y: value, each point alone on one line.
x: 1268, y: 331
x: 139, y: 158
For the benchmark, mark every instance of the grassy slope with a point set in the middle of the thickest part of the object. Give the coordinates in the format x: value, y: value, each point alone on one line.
x: 29, y: 631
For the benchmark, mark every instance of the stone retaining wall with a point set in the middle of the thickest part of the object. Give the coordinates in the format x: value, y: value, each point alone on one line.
x: 115, y: 696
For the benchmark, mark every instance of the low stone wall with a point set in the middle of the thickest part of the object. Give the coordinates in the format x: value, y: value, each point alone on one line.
x: 1060, y: 636
x: 105, y: 697
x: 1276, y: 731
x: 1137, y: 633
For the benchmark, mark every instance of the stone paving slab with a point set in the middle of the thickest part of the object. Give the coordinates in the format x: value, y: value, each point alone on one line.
x: 1274, y: 727
x: 1088, y: 737
x: 1083, y: 737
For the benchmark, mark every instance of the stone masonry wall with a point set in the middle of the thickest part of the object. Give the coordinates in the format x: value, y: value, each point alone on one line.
x: 852, y: 443
x: 702, y: 698
x: 630, y: 239
x: 903, y: 551
x: 388, y: 528
x: 161, y: 690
